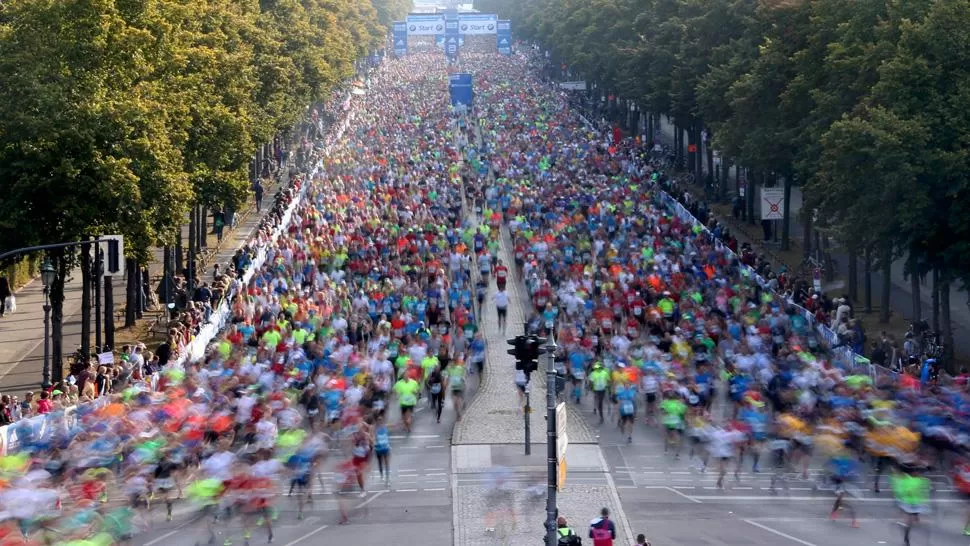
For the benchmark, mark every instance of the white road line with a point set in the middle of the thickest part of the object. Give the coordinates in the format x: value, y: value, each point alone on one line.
x: 372, y: 499
x: 436, y: 474
x: 407, y: 475
x: 777, y: 498
x: 163, y: 537
x: 406, y: 490
x: 674, y: 491
x: 626, y: 487
x: 407, y: 470
x: 434, y: 469
x: 777, y: 532
x: 684, y: 487
x: 435, y: 447
x: 436, y: 489
x: 799, y: 488
x: 304, y: 537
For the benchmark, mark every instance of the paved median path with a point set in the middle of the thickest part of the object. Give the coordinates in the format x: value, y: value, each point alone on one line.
x: 489, y: 441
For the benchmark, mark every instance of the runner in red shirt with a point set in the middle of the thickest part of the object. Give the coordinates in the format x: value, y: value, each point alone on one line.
x: 501, y: 275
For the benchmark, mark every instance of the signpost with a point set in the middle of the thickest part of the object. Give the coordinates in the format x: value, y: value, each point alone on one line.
x: 772, y: 203
x: 562, y: 442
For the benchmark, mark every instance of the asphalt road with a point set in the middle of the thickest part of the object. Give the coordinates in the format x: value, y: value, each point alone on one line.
x: 414, y: 508
x: 674, y: 504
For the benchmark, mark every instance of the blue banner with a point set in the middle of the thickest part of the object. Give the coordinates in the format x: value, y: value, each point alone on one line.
x: 503, y: 37
x: 400, y: 38
x: 460, y: 89
x: 451, y: 39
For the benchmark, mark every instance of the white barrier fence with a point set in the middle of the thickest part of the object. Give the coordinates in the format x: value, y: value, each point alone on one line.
x: 46, y: 426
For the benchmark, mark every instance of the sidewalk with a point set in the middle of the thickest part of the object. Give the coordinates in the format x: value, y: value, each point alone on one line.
x: 22, y: 334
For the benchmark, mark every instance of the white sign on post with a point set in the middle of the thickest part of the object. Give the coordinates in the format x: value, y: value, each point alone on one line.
x: 772, y: 203
x: 562, y: 439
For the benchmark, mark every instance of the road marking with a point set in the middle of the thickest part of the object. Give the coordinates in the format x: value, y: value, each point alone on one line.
x: 407, y: 475
x: 626, y: 487
x: 436, y: 489
x: 684, y: 487
x: 405, y: 490
x: 434, y: 469
x: 674, y: 491
x: 370, y: 500
x: 436, y: 474
x: 435, y: 447
x: 163, y: 537
x: 304, y: 537
x: 407, y: 470
x: 821, y: 498
x: 777, y: 532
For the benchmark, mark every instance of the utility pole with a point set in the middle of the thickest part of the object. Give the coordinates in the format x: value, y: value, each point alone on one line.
x: 528, y: 430
x: 551, y: 443
x: 98, y: 270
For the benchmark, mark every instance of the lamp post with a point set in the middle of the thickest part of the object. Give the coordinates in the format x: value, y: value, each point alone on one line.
x: 47, y: 275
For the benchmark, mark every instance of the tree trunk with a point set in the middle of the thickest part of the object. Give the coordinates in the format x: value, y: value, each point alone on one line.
x: 827, y: 259
x: 179, y: 265
x: 143, y: 289
x: 786, y: 216
x: 917, y: 302
x: 109, y: 322
x: 887, y: 280
x: 806, y: 233
x: 86, y: 299
x: 853, y: 275
x: 650, y: 134
x: 936, y: 299
x: 737, y: 179
x: 945, y: 324
x: 678, y: 149
x: 57, y: 315
x: 165, y: 294
x: 190, y: 265
x: 203, y: 227
x: 710, y: 162
x: 131, y: 274
x: 698, y: 155
x: 867, y: 282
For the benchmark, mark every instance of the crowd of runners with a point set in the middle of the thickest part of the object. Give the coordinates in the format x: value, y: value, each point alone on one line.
x: 370, y: 301
x: 661, y: 323
x: 364, y: 305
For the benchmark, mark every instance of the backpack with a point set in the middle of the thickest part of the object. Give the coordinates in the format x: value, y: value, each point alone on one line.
x: 571, y: 539
x: 601, y: 536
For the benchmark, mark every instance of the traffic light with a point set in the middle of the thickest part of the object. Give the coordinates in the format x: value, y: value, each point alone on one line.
x: 518, y: 350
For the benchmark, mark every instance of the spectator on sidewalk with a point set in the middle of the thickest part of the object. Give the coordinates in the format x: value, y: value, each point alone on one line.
x: 5, y: 292
x: 258, y: 195
x: 602, y: 530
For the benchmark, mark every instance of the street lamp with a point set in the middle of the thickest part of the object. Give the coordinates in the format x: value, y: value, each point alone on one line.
x: 47, y: 275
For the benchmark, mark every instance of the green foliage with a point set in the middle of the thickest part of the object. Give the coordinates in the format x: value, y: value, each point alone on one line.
x: 863, y: 103
x: 117, y: 115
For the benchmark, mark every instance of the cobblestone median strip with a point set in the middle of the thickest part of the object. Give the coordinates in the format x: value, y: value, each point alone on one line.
x: 494, y: 416
x: 487, y: 519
